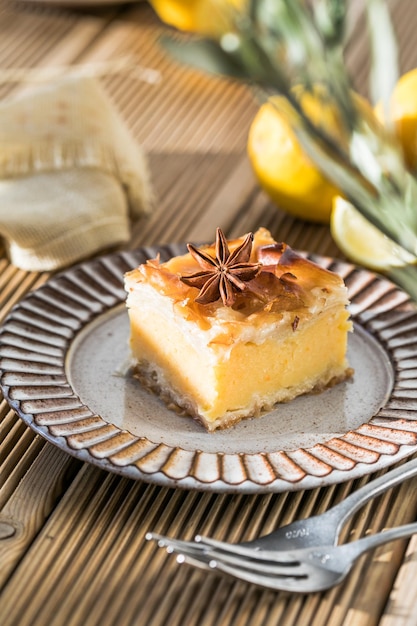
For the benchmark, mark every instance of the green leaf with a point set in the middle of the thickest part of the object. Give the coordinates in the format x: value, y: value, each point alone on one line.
x: 206, y: 55
x: 405, y: 277
x: 330, y: 17
x: 384, y: 68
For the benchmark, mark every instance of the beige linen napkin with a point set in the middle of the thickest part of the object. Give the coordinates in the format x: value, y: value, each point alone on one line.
x: 72, y: 178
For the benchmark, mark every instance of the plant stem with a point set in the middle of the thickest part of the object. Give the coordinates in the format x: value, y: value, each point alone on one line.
x: 405, y: 277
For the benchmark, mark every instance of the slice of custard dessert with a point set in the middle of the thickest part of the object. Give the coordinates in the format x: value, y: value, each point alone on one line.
x: 229, y: 330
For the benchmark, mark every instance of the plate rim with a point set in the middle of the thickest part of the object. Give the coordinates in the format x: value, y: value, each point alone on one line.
x: 36, y: 338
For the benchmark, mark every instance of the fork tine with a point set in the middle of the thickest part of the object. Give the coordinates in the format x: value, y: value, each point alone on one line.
x: 195, y: 561
x: 289, y: 566
x: 284, y: 582
x: 176, y: 545
x: 214, y: 549
x: 300, y: 581
x: 273, y: 581
x: 306, y: 582
x: 236, y: 548
x: 281, y: 556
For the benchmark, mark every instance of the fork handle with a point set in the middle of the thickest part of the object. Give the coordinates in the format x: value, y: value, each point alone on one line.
x: 342, y: 511
x: 355, y: 548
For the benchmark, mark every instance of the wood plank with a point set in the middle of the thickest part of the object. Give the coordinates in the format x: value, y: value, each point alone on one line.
x: 401, y: 609
x: 33, y: 498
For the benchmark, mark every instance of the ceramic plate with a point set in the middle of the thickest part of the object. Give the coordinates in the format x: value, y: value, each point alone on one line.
x: 63, y: 351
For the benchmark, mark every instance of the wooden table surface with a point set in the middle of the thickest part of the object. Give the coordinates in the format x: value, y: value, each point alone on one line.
x: 72, y: 548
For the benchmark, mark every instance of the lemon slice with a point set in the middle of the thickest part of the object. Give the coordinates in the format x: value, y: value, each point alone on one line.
x: 362, y: 242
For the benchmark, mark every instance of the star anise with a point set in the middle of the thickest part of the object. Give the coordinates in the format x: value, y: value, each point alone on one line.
x: 224, y: 275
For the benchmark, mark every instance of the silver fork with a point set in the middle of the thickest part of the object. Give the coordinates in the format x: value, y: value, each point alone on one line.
x: 303, y: 571
x: 315, y: 531
x: 318, y: 530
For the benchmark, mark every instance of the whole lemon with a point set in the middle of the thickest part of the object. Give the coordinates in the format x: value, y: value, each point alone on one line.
x: 206, y: 17
x: 282, y: 168
x: 403, y: 113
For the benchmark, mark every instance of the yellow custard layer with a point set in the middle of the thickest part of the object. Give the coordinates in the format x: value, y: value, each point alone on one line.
x: 224, y: 364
